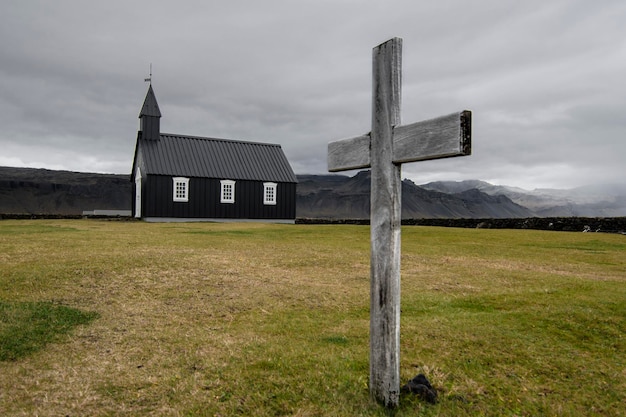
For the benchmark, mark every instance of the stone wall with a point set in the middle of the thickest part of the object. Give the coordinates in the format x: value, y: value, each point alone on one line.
x: 565, y: 224
x: 561, y: 224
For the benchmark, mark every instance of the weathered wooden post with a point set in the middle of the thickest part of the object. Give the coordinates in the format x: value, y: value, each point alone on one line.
x: 384, y: 149
x: 385, y: 215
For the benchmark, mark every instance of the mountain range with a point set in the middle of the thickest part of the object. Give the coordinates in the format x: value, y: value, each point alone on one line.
x: 337, y: 196
x: 42, y: 191
x: 603, y: 200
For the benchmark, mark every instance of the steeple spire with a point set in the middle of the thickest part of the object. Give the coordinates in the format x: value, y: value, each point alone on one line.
x: 150, y: 116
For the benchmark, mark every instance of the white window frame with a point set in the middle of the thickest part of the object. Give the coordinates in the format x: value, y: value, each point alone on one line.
x: 138, y: 194
x: 269, y: 193
x: 180, y: 194
x: 227, y: 191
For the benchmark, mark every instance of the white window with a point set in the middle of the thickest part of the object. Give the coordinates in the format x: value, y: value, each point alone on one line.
x: 228, y: 191
x: 181, y: 189
x: 269, y: 193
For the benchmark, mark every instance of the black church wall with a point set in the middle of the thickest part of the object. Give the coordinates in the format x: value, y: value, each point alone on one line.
x: 204, y: 200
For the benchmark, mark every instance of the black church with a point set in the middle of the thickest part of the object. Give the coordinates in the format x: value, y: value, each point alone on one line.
x: 191, y: 178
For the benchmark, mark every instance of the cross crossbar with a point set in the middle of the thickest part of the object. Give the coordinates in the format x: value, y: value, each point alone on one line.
x: 441, y: 137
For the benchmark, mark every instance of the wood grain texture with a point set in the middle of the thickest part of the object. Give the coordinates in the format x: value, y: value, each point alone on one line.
x: 385, y: 221
x: 441, y: 137
x: 348, y: 154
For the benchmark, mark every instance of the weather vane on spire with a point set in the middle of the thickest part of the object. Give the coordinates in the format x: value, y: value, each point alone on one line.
x: 149, y: 80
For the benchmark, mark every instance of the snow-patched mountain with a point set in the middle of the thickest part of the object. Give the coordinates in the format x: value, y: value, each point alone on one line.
x: 605, y: 200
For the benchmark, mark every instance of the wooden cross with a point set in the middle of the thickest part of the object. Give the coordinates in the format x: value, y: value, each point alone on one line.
x: 384, y: 149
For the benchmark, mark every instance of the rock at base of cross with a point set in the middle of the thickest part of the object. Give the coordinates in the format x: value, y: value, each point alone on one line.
x: 420, y: 386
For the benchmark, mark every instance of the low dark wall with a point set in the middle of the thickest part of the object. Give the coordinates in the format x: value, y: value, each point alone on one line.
x: 28, y: 216
x: 566, y: 224
x: 563, y: 224
x: 62, y: 216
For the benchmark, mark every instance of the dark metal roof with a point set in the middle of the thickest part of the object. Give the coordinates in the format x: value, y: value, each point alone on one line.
x: 192, y: 156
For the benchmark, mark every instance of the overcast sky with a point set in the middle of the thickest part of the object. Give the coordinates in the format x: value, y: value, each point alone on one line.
x: 545, y: 80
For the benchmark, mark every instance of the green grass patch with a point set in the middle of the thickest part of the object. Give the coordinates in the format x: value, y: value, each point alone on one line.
x: 26, y: 327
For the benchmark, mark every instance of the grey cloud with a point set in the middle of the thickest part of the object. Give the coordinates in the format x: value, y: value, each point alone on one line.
x: 544, y: 80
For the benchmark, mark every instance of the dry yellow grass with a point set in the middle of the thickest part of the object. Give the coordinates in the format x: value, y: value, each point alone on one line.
x: 257, y: 319
x: 169, y: 298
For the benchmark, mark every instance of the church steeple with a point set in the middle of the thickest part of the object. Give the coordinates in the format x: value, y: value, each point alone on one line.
x: 150, y: 115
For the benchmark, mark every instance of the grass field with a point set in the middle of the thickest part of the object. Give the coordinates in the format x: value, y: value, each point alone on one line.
x: 269, y: 320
